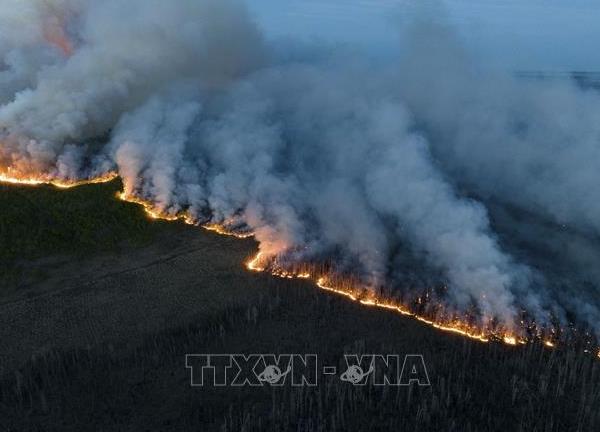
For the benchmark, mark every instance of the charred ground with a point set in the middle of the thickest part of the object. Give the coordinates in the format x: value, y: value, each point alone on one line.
x: 99, y: 306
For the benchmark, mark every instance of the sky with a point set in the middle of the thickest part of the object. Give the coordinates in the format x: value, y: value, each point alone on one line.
x: 550, y: 35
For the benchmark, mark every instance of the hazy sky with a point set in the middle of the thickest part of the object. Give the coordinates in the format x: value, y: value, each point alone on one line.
x: 518, y: 34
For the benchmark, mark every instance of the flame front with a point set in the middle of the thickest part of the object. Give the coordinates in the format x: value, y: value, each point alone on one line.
x: 260, y: 262
x: 186, y: 216
x: 8, y: 177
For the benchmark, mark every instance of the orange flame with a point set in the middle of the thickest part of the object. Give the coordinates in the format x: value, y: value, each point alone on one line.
x: 257, y: 263
x: 260, y: 262
x: 55, y: 35
x: 221, y: 229
x: 186, y: 217
x: 16, y: 179
x: 153, y: 212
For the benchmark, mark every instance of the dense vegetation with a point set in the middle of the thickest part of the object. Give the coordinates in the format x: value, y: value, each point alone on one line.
x: 474, y: 387
x: 37, y: 222
x: 133, y: 384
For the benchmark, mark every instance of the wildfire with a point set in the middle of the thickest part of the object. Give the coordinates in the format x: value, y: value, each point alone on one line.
x: 14, y: 178
x: 261, y: 263
x: 221, y: 229
x: 185, y: 217
x: 151, y: 211
x: 254, y: 263
x: 9, y: 178
x: 257, y: 264
x: 458, y: 328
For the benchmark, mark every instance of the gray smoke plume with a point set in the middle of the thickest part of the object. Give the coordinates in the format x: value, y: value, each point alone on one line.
x: 425, y: 165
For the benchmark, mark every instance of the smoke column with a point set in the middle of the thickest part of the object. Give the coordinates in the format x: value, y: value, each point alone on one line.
x: 428, y: 170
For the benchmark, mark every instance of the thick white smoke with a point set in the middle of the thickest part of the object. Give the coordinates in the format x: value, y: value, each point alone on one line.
x: 122, y: 52
x: 329, y: 158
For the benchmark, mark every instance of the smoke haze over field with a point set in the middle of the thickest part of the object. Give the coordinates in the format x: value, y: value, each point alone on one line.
x: 487, y: 181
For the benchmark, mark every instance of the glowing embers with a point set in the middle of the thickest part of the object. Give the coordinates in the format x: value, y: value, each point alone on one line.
x: 255, y: 264
x: 454, y: 325
x: 226, y: 228
x: 322, y: 276
x: 155, y: 213
x: 355, y: 291
x: 14, y: 178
